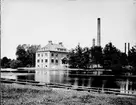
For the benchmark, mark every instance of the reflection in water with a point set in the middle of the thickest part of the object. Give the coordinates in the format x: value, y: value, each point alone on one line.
x: 68, y: 77
x: 8, y: 75
x: 26, y: 77
x: 42, y: 76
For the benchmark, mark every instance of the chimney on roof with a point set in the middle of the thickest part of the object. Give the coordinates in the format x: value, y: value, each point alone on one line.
x: 50, y: 42
x: 60, y: 43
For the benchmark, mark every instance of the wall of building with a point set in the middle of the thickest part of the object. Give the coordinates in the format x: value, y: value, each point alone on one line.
x: 49, y: 59
x: 42, y: 59
x: 56, y: 59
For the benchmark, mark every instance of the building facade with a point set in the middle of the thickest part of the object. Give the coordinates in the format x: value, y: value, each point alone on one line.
x: 51, y: 56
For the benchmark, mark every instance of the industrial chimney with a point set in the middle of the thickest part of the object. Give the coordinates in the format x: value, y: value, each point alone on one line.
x: 93, y: 42
x: 98, y: 32
x: 128, y: 47
x: 125, y: 49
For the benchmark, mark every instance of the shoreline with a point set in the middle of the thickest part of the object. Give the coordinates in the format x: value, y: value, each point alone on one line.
x: 26, y: 94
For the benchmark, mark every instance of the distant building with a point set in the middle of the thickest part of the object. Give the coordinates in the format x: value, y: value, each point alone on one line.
x: 51, y: 56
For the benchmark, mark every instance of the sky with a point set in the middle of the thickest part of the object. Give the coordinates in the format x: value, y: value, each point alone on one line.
x: 67, y: 21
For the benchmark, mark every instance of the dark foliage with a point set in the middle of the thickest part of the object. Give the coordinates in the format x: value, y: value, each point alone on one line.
x: 79, y: 57
x: 26, y: 54
x: 96, y: 55
x: 5, y: 62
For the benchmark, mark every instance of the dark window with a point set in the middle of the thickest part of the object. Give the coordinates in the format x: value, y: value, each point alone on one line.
x: 38, y: 55
x: 52, y: 54
x: 38, y: 60
x: 64, y: 61
x: 38, y: 65
x: 42, y: 60
x: 42, y: 55
x: 56, y: 61
x: 46, y: 60
x: 52, y: 60
x: 56, y: 55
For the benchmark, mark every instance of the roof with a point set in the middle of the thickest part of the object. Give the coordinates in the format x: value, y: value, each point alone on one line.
x: 54, y: 47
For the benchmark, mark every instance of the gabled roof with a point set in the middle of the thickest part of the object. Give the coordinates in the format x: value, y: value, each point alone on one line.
x: 54, y: 47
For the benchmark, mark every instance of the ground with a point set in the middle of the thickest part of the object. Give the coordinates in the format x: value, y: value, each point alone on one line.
x: 14, y: 94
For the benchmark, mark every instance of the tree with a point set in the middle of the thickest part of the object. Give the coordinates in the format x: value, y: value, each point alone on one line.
x: 31, y: 51
x: 22, y: 55
x: 15, y: 64
x: 112, y: 58
x: 97, y: 55
x: 86, y: 57
x: 5, y: 62
x: 72, y: 59
x: 123, y: 59
x: 79, y: 57
x: 26, y: 54
x: 132, y: 57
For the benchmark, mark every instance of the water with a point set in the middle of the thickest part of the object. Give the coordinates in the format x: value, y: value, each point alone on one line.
x: 74, y: 78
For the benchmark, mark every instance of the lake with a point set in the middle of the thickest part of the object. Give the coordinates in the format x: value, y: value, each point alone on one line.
x: 76, y: 78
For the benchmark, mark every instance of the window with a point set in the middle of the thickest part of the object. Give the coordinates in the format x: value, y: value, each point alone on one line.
x: 42, y: 60
x: 46, y: 60
x: 37, y: 65
x: 56, y: 55
x: 38, y: 55
x: 52, y: 54
x: 42, y: 55
x: 45, y: 54
x: 56, y: 61
x: 52, y: 60
x: 38, y: 60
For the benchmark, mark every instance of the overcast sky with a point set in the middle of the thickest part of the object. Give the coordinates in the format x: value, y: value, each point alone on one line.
x: 67, y: 21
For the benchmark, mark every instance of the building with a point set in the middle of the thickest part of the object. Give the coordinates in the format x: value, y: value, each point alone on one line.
x: 51, y: 56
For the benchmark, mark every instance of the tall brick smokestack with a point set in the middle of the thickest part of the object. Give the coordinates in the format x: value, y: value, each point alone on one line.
x: 98, y: 32
x: 128, y: 47
x: 125, y: 48
x: 93, y: 42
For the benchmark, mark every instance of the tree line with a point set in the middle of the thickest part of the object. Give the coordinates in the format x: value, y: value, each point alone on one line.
x: 107, y: 57
x: 25, y: 57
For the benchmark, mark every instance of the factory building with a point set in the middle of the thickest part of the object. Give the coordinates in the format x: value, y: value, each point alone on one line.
x: 51, y: 56
x: 54, y: 55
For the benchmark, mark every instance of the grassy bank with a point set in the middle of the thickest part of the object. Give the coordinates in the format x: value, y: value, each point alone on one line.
x: 13, y: 94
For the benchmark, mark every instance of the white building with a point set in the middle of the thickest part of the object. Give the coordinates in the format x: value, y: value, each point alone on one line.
x: 51, y: 56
